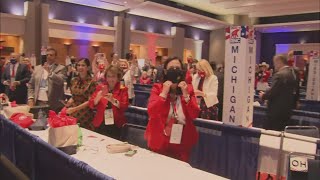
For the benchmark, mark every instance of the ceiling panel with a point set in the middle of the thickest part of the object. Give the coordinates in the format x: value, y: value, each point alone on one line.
x: 254, y: 8
x: 114, y: 5
x: 289, y: 27
x: 166, y: 13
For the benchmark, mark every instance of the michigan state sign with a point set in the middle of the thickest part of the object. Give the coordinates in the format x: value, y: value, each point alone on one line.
x: 239, y: 73
x: 313, y: 86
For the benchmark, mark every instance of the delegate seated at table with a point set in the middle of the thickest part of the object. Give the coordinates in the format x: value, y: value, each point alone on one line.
x: 168, y: 109
x: 111, y: 101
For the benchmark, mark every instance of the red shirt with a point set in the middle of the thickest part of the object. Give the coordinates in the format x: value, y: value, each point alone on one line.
x: 158, y: 110
x: 118, y: 113
x: 188, y: 77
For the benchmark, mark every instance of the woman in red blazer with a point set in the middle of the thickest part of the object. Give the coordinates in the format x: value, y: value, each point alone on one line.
x: 172, y: 106
x: 111, y: 101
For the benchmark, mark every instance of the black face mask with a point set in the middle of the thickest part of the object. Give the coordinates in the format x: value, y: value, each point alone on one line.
x: 13, y: 61
x: 174, y: 75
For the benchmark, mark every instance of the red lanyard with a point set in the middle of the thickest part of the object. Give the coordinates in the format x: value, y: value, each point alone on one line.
x: 174, y: 109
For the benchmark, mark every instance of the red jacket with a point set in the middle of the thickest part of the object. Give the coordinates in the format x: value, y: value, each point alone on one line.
x: 265, y: 76
x: 188, y: 77
x: 121, y: 95
x: 158, y: 110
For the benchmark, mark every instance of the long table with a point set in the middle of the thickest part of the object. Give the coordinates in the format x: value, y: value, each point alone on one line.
x: 143, y: 165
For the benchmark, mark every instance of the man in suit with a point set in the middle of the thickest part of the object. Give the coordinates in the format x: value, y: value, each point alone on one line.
x: 281, y: 95
x: 46, y: 86
x: 15, y: 78
x: 220, y: 77
x: 2, y: 67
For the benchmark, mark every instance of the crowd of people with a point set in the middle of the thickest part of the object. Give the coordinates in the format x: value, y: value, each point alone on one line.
x: 102, y: 89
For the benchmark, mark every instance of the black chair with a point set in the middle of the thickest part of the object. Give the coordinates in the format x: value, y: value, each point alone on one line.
x: 141, y: 98
x: 134, y: 134
x: 310, y: 131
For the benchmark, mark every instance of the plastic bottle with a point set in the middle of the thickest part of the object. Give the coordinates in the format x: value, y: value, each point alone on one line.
x: 40, y: 114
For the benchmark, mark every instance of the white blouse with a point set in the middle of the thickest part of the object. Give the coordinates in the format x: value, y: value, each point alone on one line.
x: 181, y: 117
x: 129, y: 84
x: 210, y: 88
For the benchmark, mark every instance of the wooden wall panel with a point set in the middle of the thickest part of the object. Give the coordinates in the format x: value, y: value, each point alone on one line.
x: 10, y: 41
x: 79, y: 48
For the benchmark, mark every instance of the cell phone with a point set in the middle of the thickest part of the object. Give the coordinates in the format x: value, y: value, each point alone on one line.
x: 102, y: 55
x: 130, y: 153
x: 43, y: 59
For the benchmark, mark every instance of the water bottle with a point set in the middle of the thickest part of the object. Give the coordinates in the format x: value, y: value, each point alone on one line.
x: 42, y: 116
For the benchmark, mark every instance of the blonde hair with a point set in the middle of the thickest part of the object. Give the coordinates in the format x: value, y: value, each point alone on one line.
x: 203, y: 65
x: 114, y: 70
x: 123, y: 61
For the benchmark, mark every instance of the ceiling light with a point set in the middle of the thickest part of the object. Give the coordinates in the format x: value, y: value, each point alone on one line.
x: 125, y: 2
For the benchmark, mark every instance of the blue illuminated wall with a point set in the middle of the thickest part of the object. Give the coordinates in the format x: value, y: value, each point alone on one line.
x: 150, y: 25
x: 77, y: 13
x: 12, y: 6
x: 269, y: 41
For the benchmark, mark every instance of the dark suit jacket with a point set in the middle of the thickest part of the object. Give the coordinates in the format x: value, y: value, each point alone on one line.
x: 20, y: 94
x: 56, y: 78
x: 2, y: 87
x: 281, y: 99
x: 220, y: 77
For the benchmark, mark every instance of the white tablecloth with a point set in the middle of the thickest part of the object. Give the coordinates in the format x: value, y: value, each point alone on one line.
x: 145, y: 165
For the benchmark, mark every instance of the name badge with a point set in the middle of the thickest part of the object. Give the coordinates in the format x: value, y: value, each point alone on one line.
x: 176, y: 134
x: 108, y: 117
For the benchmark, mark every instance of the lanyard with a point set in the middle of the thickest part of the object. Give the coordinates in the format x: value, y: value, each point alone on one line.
x: 174, y: 110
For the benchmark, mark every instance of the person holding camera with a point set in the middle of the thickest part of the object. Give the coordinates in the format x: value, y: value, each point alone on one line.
x: 46, y: 86
x: 172, y: 108
x: 99, y: 65
x: 205, y: 84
